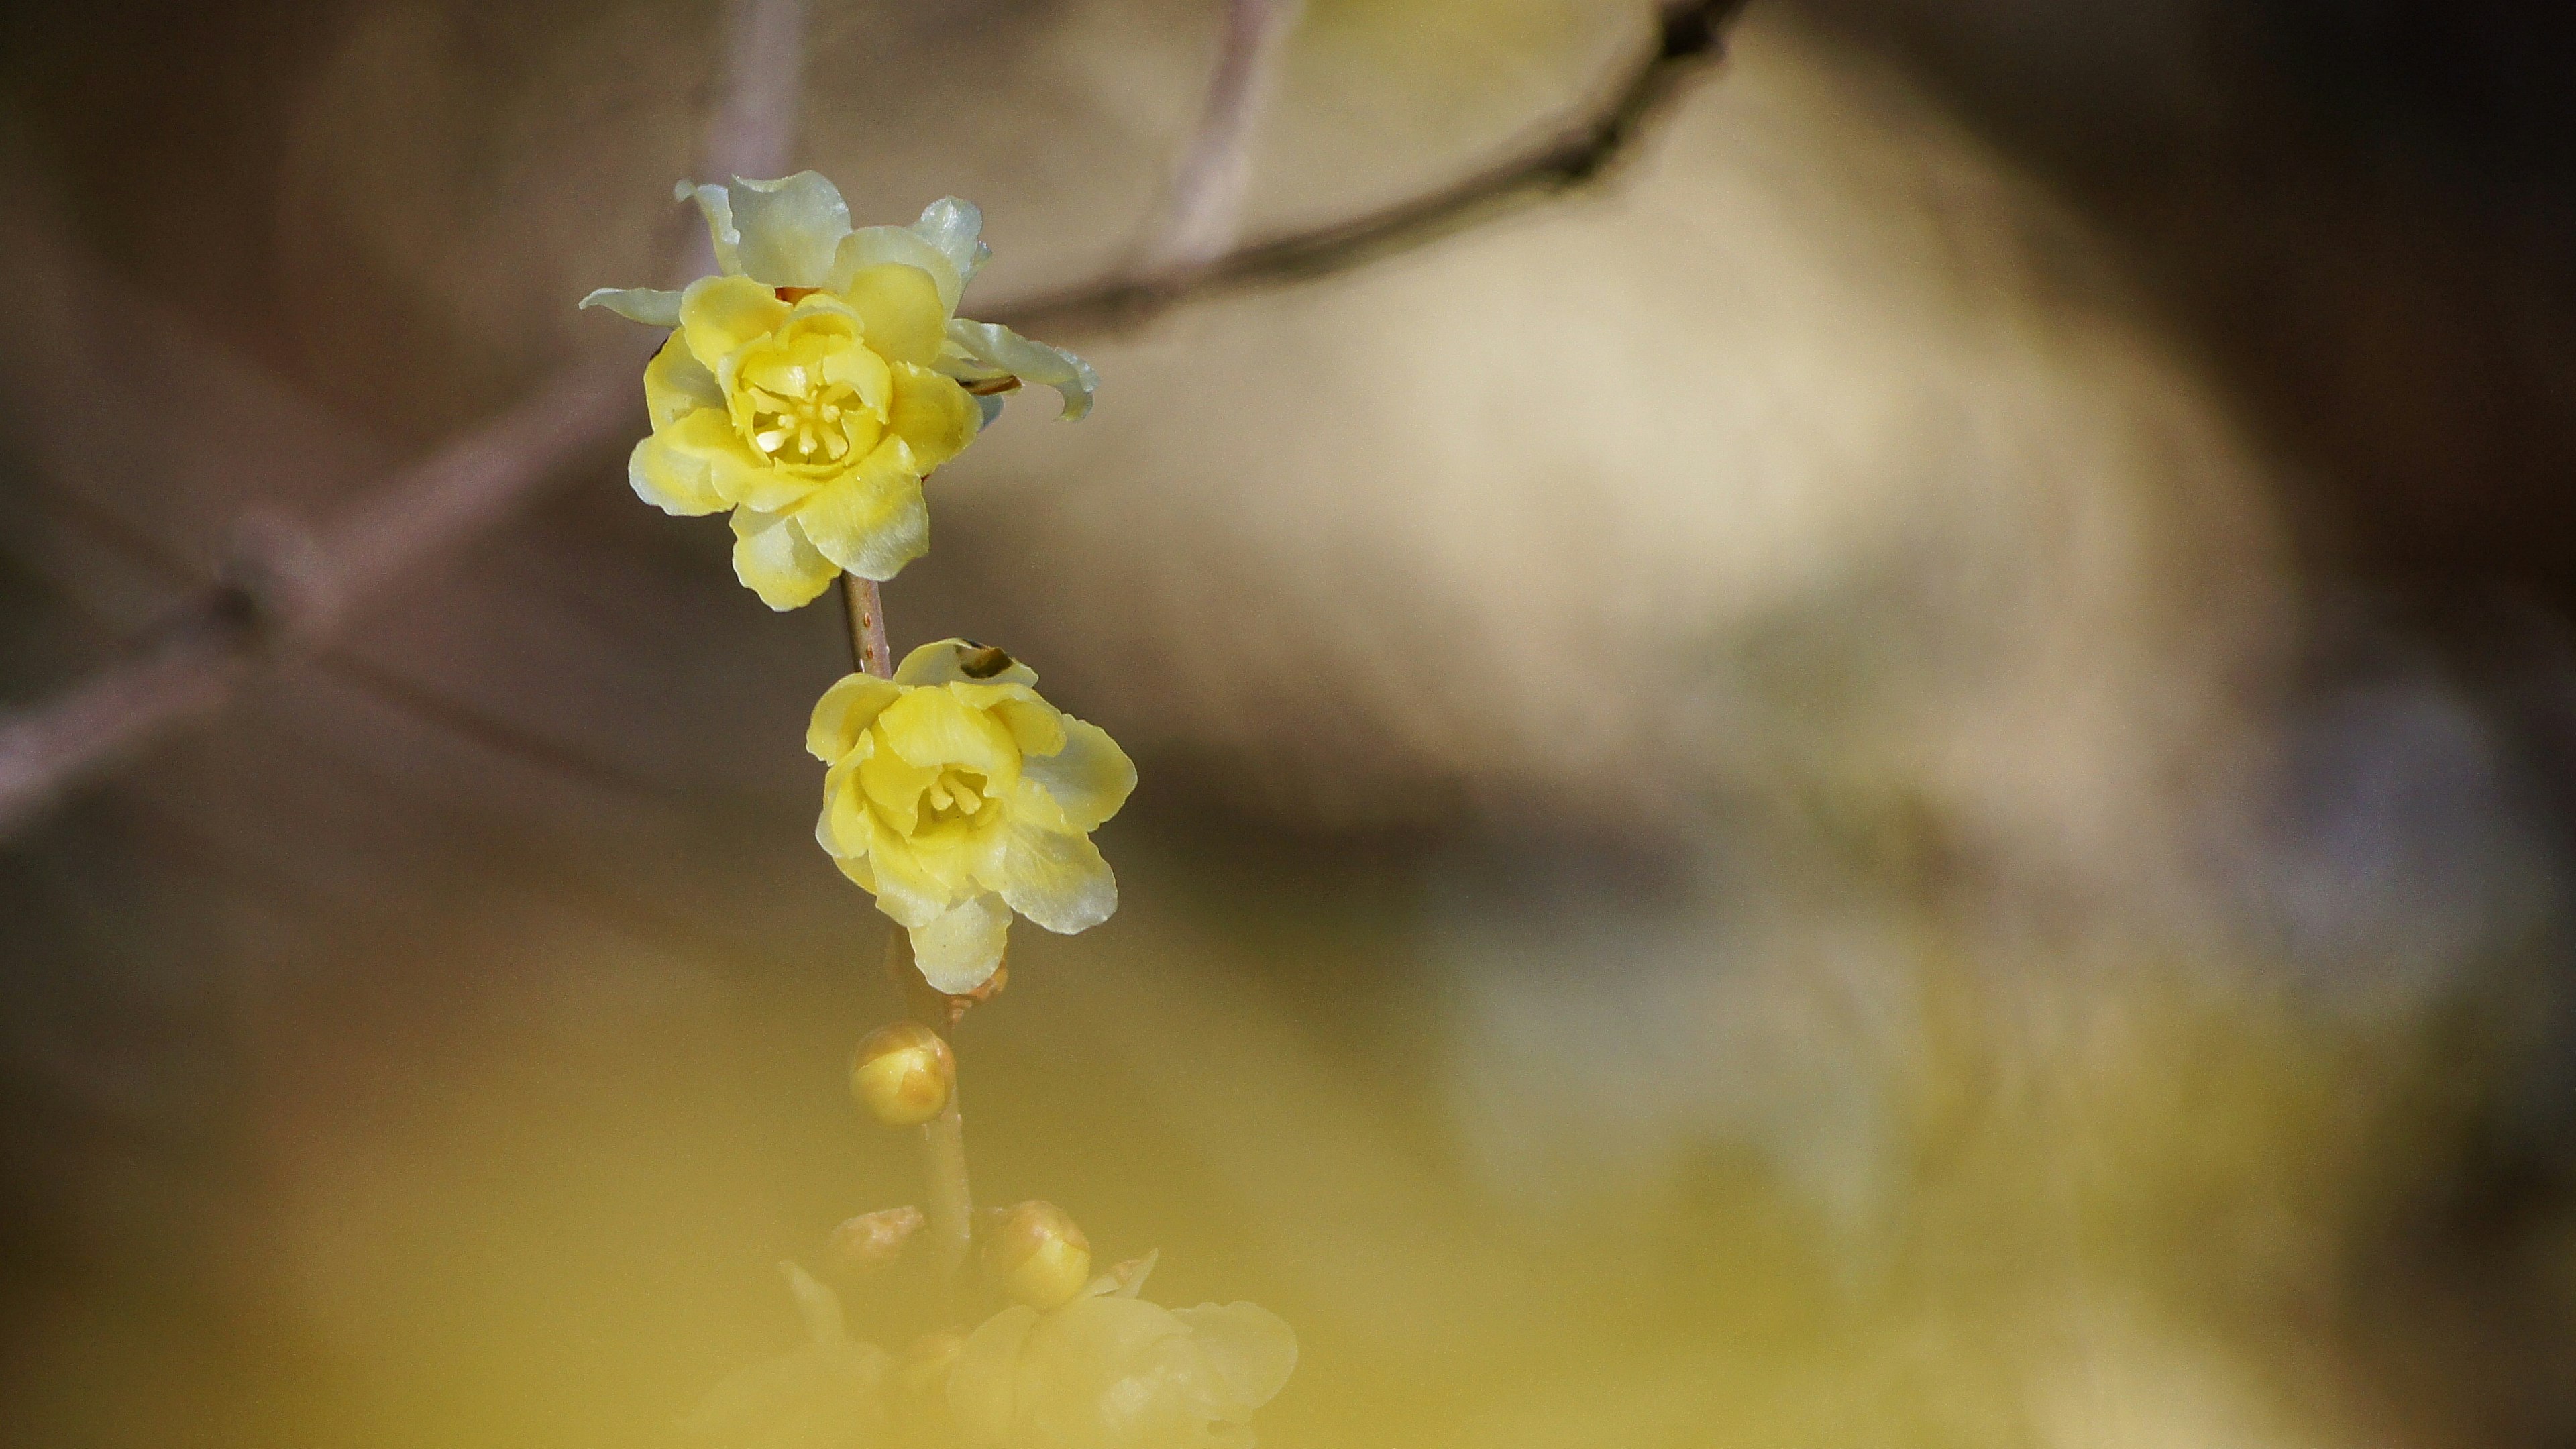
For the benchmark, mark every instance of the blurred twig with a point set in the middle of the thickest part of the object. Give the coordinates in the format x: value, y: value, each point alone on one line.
x: 1204, y: 211
x: 291, y: 588
x: 1688, y: 35
x: 288, y: 588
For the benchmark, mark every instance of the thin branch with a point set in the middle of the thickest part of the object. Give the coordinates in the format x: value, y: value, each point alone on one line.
x: 1204, y: 211
x: 292, y: 588
x: 1688, y: 36
x: 289, y: 589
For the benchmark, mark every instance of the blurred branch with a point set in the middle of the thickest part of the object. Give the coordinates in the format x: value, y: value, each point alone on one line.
x: 289, y: 589
x: 1204, y: 211
x: 1688, y: 35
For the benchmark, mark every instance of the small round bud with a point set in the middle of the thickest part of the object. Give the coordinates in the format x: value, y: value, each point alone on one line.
x: 872, y: 1240
x: 902, y: 1074
x: 1038, y: 1256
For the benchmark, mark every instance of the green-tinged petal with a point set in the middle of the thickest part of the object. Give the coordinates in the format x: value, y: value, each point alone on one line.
x: 951, y: 660
x: 648, y: 305
x: 676, y: 383
x: 1247, y: 1352
x: 845, y: 709
x: 1089, y: 778
x: 997, y: 346
x: 930, y: 728
x: 956, y: 227
x: 719, y: 314
x: 962, y: 949
x: 933, y: 415
x: 870, y: 520
x: 1056, y: 878
x: 875, y: 246
x: 773, y: 558
x: 906, y: 889
x: 790, y: 228
x: 717, y: 207
x: 861, y: 874
x: 983, y: 1384
x: 900, y: 302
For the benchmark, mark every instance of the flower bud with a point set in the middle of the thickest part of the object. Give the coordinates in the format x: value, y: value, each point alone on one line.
x: 872, y: 1240
x: 903, y: 1074
x: 1038, y: 1256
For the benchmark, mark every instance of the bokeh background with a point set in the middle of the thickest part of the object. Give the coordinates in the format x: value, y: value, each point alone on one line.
x: 1901, y: 779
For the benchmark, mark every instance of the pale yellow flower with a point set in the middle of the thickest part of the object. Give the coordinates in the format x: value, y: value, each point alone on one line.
x: 812, y: 383
x: 956, y: 796
x: 1112, y: 1371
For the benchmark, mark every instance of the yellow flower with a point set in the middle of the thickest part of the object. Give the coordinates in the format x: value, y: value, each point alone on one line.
x: 812, y: 383
x: 957, y: 796
x: 1112, y: 1371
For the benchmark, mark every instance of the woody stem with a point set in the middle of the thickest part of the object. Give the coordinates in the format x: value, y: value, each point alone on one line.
x: 943, y: 1138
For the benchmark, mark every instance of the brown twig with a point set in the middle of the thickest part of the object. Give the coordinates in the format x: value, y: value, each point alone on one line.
x: 1204, y: 211
x: 295, y: 589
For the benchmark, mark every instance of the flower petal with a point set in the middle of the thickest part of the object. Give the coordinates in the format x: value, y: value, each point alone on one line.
x: 717, y: 207
x: 674, y: 480
x: 1056, y: 878
x: 846, y: 829
x: 789, y: 228
x: 946, y: 662
x: 933, y: 415
x: 773, y: 558
x: 648, y: 305
x: 906, y: 889
x: 675, y: 382
x: 1089, y: 778
x: 1248, y: 1353
x: 846, y: 709
x: 870, y: 520
x: 1037, y: 726
x: 719, y: 314
x: 955, y: 226
x: 708, y: 439
x: 983, y: 1383
x: 931, y: 728
x: 906, y: 321
x: 873, y: 246
x: 962, y: 949
x: 997, y: 346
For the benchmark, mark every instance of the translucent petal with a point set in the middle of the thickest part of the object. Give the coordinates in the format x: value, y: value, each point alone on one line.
x: 773, y: 558
x: 945, y: 662
x: 846, y: 829
x: 906, y: 890
x: 997, y: 346
x: 717, y: 207
x: 1089, y: 778
x: 930, y: 728
x: 1247, y: 1353
x: 1035, y: 725
x: 932, y: 414
x: 707, y: 438
x: 870, y: 520
x: 962, y: 949
x: 648, y: 305
x: 906, y: 321
x: 675, y: 382
x: 719, y: 314
x: 845, y: 709
x: 955, y: 226
x: 873, y: 246
x: 789, y: 229
x: 983, y: 1384
x: 1056, y: 878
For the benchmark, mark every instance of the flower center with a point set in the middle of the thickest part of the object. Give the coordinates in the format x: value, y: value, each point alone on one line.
x: 800, y: 417
x: 955, y: 795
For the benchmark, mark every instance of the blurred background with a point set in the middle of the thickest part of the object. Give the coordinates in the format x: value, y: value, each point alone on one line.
x: 1901, y: 779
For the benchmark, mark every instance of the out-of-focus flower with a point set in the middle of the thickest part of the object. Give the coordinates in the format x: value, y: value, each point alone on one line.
x: 1112, y: 1371
x: 956, y: 796
x: 827, y: 1394
x: 903, y: 1074
x: 871, y: 1241
x: 812, y: 383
